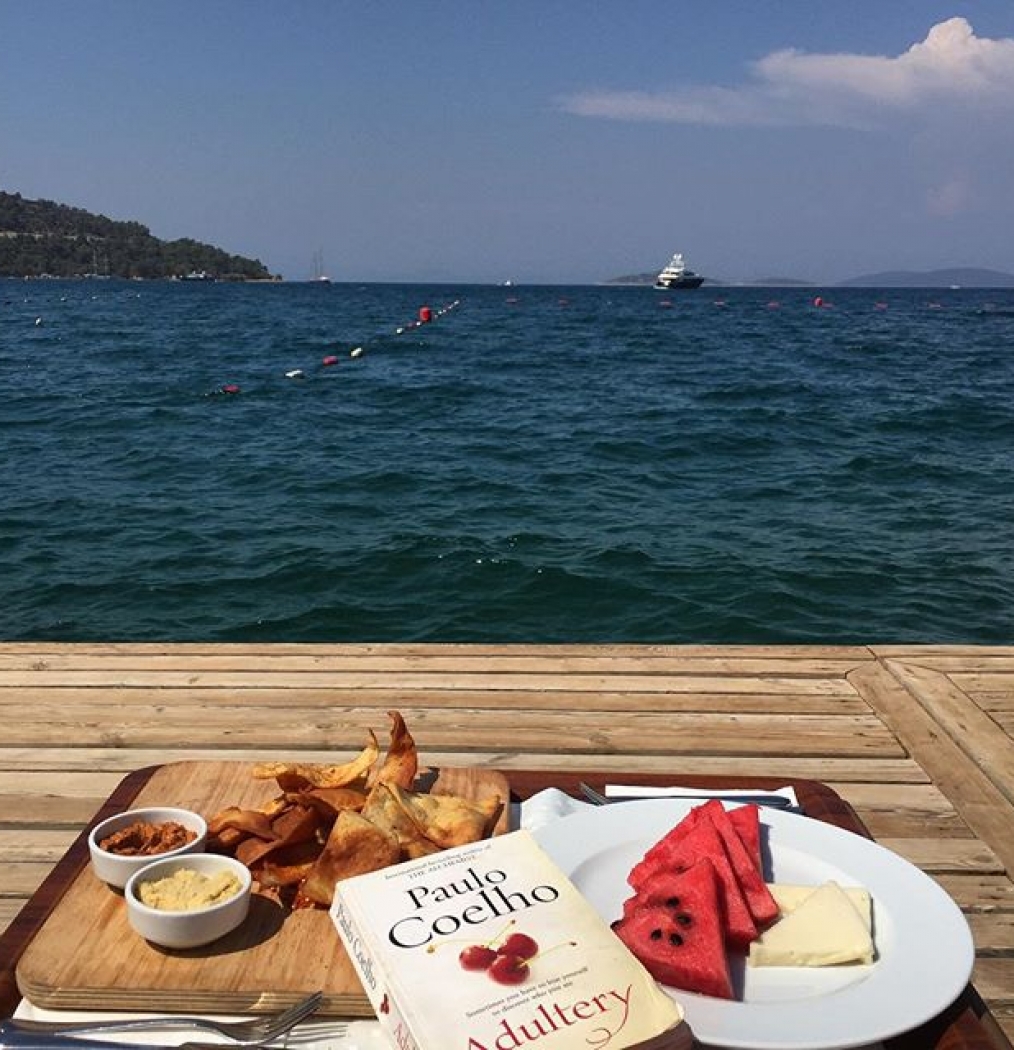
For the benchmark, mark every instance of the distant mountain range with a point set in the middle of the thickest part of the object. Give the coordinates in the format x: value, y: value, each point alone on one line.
x: 40, y: 238
x: 961, y: 277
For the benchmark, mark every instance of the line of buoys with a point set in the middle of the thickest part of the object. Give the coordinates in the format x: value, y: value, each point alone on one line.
x: 425, y: 315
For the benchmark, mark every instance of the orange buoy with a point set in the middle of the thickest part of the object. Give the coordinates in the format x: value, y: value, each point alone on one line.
x: 425, y: 314
x: 331, y: 359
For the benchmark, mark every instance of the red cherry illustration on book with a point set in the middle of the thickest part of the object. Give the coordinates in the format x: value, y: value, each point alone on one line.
x: 512, y: 964
x: 509, y: 969
x: 476, y: 957
x: 519, y: 944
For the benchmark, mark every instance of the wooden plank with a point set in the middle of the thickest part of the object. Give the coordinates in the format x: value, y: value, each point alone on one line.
x: 35, y: 845
x: 981, y: 682
x: 828, y: 769
x: 503, y: 661
x: 8, y: 909
x: 978, y: 736
x: 902, y: 810
x: 985, y: 893
x: 13, y: 699
x: 734, y: 653
x: 539, y: 732
x: 86, y: 784
x: 416, y: 681
x: 982, y: 806
x: 21, y: 879
x: 994, y: 980
x: 947, y: 856
x: 955, y: 653
x: 993, y: 933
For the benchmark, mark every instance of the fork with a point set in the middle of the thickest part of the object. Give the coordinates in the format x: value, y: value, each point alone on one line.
x: 256, y: 1031
x: 774, y: 801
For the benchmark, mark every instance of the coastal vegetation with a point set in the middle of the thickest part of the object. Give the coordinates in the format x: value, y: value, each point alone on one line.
x: 40, y: 238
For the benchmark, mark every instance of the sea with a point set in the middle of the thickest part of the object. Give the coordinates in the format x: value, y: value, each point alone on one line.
x: 199, y: 461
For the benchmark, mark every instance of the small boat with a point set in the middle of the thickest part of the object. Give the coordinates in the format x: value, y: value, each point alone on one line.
x: 676, y: 275
x: 319, y: 276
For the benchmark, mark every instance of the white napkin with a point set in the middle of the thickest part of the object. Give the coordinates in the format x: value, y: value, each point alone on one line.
x: 321, y: 1034
x: 640, y: 791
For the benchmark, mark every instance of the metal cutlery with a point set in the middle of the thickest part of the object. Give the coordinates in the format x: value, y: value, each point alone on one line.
x: 771, y: 800
x: 256, y: 1031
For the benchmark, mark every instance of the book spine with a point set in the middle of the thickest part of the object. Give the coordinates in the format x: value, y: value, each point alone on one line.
x: 369, y: 968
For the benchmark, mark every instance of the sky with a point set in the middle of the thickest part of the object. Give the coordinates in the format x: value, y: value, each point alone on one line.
x: 540, y: 141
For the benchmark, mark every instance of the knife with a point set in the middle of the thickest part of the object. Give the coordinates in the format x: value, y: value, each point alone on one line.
x: 12, y: 1038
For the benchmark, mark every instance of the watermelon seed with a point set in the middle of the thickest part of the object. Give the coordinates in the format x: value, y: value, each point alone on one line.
x: 673, y: 902
x: 656, y: 935
x: 683, y: 919
x: 675, y: 939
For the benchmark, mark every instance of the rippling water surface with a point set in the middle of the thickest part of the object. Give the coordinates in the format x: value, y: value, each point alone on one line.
x: 536, y: 464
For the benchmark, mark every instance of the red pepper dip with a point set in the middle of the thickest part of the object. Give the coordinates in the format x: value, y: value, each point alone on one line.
x: 142, y: 839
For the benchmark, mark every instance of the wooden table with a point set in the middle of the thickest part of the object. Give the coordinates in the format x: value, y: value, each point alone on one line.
x: 965, y: 1025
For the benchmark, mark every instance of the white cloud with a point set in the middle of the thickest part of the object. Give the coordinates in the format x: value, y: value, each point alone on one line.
x: 951, y: 69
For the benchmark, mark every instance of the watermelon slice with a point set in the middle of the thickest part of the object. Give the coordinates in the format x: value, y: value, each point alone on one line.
x: 763, y: 907
x: 672, y: 926
x: 656, y: 859
x: 703, y: 840
x: 746, y: 821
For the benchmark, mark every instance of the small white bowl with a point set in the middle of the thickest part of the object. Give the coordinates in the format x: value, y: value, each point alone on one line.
x: 188, y: 929
x: 116, y: 868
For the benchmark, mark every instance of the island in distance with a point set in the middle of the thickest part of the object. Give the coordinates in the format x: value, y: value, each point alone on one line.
x: 40, y: 238
x: 958, y: 277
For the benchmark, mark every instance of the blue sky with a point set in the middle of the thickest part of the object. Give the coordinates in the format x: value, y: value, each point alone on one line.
x: 537, y: 140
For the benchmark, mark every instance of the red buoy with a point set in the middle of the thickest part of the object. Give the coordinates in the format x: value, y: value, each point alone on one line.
x: 230, y: 388
x: 425, y: 314
x: 331, y: 359
x: 818, y: 301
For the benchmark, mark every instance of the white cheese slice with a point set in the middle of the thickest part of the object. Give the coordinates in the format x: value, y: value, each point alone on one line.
x: 825, y: 930
x: 788, y: 897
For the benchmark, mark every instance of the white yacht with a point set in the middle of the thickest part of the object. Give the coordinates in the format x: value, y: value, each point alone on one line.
x: 676, y: 275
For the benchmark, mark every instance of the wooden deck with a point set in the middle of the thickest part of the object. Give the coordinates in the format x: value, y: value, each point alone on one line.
x: 918, y: 739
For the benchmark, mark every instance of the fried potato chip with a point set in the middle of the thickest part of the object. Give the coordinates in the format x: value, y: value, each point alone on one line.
x: 384, y: 810
x: 402, y: 761
x: 330, y: 801
x: 288, y: 866
x: 354, y: 847
x: 249, y: 821
x: 295, y: 776
x: 448, y: 820
x: 299, y: 824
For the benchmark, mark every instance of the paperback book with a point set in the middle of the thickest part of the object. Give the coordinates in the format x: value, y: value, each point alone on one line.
x: 490, y: 946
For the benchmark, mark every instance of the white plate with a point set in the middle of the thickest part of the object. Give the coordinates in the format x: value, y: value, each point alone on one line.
x: 924, y: 946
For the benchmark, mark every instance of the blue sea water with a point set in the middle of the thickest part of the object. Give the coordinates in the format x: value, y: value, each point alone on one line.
x: 537, y: 464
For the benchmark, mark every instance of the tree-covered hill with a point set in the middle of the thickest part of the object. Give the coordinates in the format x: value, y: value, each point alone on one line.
x: 40, y: 237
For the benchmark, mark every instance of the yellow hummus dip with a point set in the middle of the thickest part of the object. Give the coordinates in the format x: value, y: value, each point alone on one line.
x: 188, y: 890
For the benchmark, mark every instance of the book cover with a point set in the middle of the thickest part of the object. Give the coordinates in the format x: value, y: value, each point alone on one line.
x: 489, y: 946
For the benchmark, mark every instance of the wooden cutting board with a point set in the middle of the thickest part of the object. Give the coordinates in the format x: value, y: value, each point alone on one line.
x: 86, y: 956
